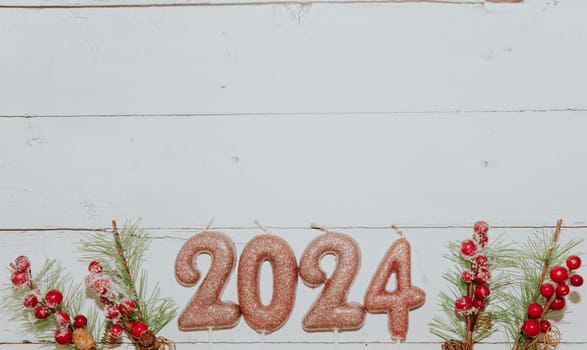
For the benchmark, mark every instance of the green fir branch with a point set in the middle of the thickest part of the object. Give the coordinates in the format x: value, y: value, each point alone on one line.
x: 525, y: 289
x: 133, y: 241
x: 451, y: 325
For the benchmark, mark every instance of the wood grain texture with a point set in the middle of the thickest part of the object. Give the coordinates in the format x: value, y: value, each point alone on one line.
x: 513, y: 169
x: 289, y: 59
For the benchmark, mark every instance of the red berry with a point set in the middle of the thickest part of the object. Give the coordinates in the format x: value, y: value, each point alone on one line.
x: 547, y: 290
x: 115, y: 330
x: 467, y: 276
x: 482, y: 291
x: 112, y: 312
x: 138, y: 328
x: 19, y: 277
x: 62, y: 318
x: 42, y: 312
x: 481, y: 260
x: 101, y: 286
x: 53, y: 298
x: 30, y: 300
x: 481, y: 228
x: 127, y: 307
x: 483, y: 275
x: 63, y: 336
x: 559, y: 274
x: 468, y: 247
x: 573, y: 262
x: 94, y: 266
x: 483, y: 240
x: 534, y: 310
x: 479, y: 304
x: 531, y: 328
x: 558, y: 303
x: 22, y: 263
x: 80, y: 321
x: 562, y: 290
x: 576, y: 280
x: 463, y: 304
x: 544, y: 326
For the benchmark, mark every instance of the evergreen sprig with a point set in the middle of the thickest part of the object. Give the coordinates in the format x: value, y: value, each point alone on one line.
x: 540, y: 251
x: 451, y: 325
x: 51, y: 276
x: 121, y: 258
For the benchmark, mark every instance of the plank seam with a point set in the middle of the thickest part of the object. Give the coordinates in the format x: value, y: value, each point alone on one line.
x: 298, y: 114
x: 359, y: 227
x: 234, y: 4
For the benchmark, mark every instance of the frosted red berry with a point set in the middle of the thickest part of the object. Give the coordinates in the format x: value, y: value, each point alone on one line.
x: 534, y: 310
x: 30, y: 300
x: 138, y: 328
x: 112, y: 312
x: 482, y: 291
x: 53, y: 298
x: 563, y: 290
x: 101, y: 286
x: 483, y: 240
x: 531, y: 328
x: 62, y: 318
x: 115, y: 330
x: 479, y: 304
x: 127, y: 307
x: 42, y: 312
x: 468, y: 247
x: 576, y: 280
x: 467, y: 276
x: 559, y: 274
x: 463, y: 304
x: 481, y: 228
x: 544, y: 326
x: 481, y: 260
x: 63, y: 336
x: 22, y: 263
x: 558, y: 303
x: 482, y: 276
x: 80, y: 321
x: 547, y: 290
x: 573, y: 262
x: 19, y: 277
x: 94, y: 266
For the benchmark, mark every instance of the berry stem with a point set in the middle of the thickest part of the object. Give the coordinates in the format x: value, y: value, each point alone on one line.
x: 557, y: 232
x: 528, y: 341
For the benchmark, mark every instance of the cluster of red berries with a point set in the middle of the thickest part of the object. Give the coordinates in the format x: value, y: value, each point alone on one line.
x: 478, y: 275
x: 120, y: 313
x: 554, y: 296
x: 47, y: 305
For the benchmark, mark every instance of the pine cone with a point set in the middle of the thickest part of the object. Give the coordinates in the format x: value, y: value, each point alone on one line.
x: 148, y: 341
x: 455, y: 345
x: 83, y: 339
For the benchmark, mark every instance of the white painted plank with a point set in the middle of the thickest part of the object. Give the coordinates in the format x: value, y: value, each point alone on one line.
x: 274, y: 59
x: 512, y: 169
x: 428, y: 265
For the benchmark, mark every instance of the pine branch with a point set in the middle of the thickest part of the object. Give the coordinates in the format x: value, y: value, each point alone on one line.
x: 536, y: 256
x: 121, y: 258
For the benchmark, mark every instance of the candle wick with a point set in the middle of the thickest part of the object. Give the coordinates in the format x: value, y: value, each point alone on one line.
x: 397, y: 230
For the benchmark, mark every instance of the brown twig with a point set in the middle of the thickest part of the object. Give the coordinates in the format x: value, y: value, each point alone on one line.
x: 545, y: 267
x: 126, y: 268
